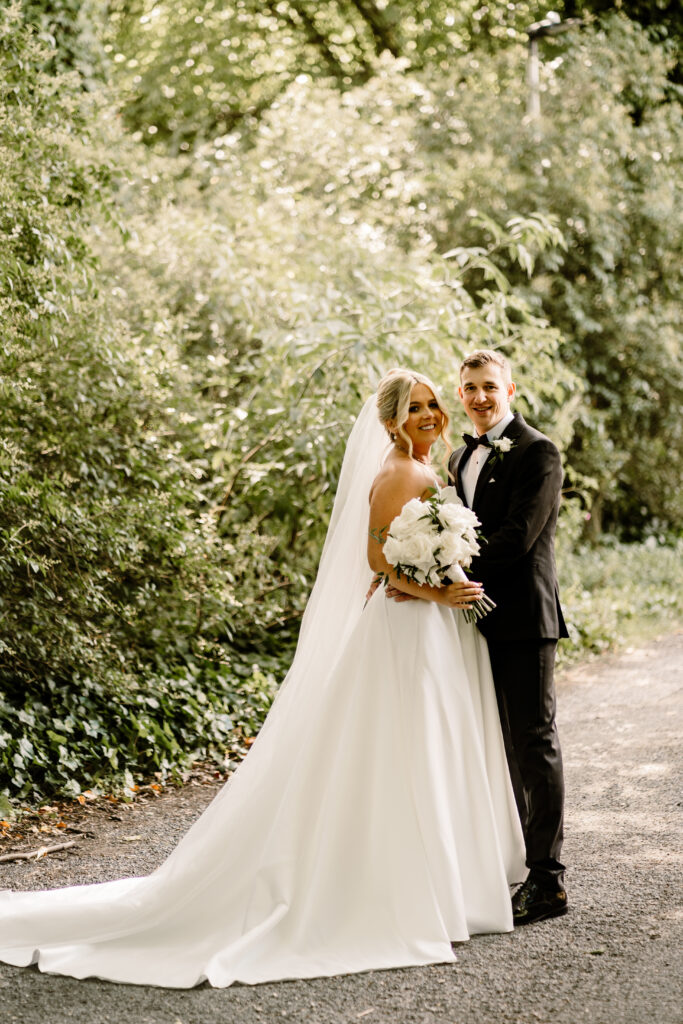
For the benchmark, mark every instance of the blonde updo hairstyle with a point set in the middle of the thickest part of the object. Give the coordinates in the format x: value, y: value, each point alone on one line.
x: 393, y: 404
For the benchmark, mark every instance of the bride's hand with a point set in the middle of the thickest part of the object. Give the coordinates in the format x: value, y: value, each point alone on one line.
x: 460, y: 594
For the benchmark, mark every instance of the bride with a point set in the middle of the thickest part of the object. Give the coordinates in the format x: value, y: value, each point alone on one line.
x: 373, y: 822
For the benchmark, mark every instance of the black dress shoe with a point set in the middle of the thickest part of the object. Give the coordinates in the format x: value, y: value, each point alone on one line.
x: 532, y: 903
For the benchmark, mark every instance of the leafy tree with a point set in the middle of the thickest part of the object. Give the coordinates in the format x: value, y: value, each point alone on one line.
x: 193, y: 71
x: 408, y: 158
x: 285, y: 317
x: 662, y: 20
x: 101, y: 558
x: 610, y: 179
x: 72, y: 31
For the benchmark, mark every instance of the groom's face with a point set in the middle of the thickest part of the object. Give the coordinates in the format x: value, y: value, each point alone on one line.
x: 485, y: 392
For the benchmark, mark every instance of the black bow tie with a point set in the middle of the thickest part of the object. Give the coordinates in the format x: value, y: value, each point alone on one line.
x: 474, y: 442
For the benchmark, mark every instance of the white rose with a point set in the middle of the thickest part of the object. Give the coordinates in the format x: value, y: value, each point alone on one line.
x: 417, y: 551
x: 457, y: 517
x: 449, y: 496
x: 453, y: 548
x: 503, y: 444
x: 407, y: 521
x: 466, y: 557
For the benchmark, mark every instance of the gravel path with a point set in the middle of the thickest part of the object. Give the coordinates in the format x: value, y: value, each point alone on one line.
x: 615, y: 959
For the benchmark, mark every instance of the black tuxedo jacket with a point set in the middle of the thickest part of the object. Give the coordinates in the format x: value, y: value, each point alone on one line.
x: 517, y: 500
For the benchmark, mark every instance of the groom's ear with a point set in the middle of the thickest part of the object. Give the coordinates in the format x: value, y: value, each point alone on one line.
x: 512, y: 387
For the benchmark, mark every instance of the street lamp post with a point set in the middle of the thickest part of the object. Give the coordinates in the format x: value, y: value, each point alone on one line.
x: 552, y: 25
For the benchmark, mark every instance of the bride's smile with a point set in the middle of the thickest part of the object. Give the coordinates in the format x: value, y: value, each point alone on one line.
x: 425, y: 419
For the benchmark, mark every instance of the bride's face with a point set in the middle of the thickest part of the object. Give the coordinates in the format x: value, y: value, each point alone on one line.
x: 425, y: 419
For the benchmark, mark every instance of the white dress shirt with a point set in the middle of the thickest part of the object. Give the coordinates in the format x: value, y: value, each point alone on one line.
x: 478, y: 457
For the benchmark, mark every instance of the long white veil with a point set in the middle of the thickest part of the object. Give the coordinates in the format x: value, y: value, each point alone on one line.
x: 343, y: 578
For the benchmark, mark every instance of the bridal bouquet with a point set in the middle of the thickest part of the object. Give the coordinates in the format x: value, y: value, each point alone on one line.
x: 430, y: 542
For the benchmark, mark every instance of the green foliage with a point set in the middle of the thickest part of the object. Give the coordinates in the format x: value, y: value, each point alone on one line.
x: 63, y: 739
x: 409, y: 158
x: 662, y: 19
x: 611, y: 180
x: 103, y: 564
x: 283, y: 332
x: 187, y: 74
x: 72, y: 31
x: 618, y: 593
x: 190, y: 73
x: 173, y: 421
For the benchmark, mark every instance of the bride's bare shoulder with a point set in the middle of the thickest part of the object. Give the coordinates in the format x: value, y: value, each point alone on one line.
x: 399, y: 480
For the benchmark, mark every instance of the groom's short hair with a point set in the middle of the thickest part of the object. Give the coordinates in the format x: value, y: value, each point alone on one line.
x: 484, y: 356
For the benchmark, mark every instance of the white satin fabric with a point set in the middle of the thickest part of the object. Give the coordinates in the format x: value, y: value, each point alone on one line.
x: 368, y: 828
x: 372, y: 824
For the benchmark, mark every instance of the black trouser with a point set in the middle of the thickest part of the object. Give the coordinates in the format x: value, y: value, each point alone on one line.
x: 523, y: 676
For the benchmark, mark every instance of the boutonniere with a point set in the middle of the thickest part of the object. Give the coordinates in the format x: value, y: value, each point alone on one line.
x: 500, y: 447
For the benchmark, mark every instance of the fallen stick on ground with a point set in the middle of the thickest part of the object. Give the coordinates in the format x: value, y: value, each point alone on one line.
x: 36, y: 854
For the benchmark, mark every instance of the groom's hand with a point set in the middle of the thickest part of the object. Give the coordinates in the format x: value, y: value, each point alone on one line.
x: 373, y: 586
x: 392, y: 592
x: 398, y: 595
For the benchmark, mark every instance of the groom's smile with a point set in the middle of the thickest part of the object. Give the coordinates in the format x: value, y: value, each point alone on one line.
x: 485, y: 393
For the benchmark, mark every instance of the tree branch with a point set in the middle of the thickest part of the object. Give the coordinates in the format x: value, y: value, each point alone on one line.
x: 36, y: 854
x: 219, y: 509
x: 383, y: 33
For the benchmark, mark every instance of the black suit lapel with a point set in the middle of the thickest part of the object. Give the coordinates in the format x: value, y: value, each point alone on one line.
x: 515, y: 428
x: 455, y: 468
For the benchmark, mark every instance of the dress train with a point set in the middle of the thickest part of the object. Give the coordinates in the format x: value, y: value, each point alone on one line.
x: 371, y: 825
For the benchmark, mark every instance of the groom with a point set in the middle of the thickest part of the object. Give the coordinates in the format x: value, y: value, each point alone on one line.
x: 511, y: 475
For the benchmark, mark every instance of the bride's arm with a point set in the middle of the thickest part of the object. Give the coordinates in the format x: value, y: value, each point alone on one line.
x: 389, y: 494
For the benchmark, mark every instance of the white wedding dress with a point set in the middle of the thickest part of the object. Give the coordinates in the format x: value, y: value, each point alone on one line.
x: 372, y: 824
